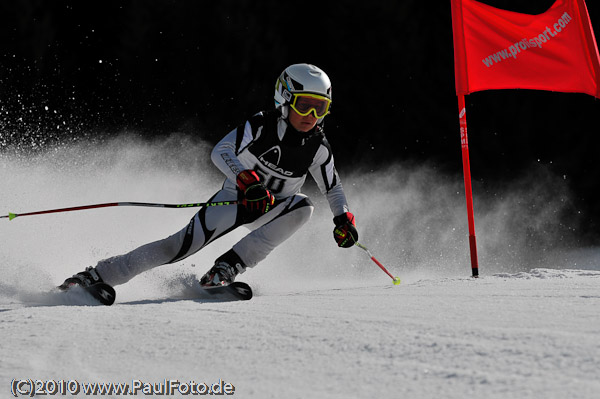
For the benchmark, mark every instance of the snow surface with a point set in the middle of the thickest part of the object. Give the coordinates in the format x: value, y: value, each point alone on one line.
x: 324, y: 322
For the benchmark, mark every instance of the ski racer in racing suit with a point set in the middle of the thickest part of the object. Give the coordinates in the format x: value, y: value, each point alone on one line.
x: 265, y: 161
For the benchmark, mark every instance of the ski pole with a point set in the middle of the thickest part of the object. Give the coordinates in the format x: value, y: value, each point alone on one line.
x: 396, y: 280
x: 11, y: 216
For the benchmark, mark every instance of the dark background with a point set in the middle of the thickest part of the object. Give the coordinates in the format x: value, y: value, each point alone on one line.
x: 201, y: 67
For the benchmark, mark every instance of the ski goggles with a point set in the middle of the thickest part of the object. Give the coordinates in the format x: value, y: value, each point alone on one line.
x: 305, y: 103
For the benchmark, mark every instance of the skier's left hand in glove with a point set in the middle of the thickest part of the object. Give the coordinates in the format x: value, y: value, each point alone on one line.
x: 257, y: 198
x: 345, y: 233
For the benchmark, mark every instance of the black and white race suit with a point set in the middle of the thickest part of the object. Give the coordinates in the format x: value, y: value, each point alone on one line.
x: 282, y: 157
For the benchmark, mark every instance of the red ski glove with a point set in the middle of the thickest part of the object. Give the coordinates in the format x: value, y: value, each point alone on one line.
x: 345, y: 233
x: 257, y: 198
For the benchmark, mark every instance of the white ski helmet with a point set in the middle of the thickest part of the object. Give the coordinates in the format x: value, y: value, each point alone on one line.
x: 300, y: 78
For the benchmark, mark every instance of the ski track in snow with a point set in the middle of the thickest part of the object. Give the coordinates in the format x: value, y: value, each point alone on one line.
x: 324, y: 322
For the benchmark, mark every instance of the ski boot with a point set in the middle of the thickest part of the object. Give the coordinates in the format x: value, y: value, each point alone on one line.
x: 90, y: 281
x: 84, y: 279
x: 226, y: 268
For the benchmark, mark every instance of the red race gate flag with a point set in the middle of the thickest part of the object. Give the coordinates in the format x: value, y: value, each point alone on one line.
x: 499, y: 49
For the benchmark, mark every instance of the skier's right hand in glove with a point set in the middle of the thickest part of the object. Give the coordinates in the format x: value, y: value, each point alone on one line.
x: 257, y: 198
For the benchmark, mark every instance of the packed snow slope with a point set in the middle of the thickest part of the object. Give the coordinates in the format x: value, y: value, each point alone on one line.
x: 325, y: 322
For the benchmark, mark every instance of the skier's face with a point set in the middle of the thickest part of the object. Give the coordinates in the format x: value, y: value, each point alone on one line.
x: 302, y: 123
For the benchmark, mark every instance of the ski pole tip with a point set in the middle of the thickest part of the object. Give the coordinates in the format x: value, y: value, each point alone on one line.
x: 11, y: 216
x: 396, y: 280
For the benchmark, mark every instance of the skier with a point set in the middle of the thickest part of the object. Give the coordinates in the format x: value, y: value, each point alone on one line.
x: 265, y: 161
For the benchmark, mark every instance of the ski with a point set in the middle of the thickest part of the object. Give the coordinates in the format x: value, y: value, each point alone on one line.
x: 102, y: 292
x: 234, y: 291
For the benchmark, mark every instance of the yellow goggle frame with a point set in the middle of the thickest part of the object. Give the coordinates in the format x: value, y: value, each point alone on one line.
x: 305, y: 103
